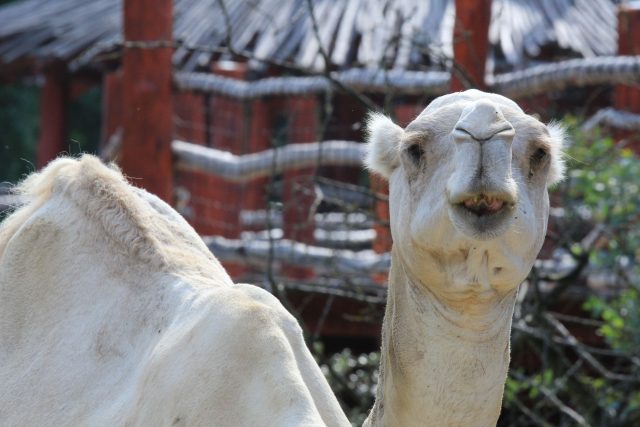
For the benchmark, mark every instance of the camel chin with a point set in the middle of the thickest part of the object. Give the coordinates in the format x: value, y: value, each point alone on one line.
x: 481, y: 224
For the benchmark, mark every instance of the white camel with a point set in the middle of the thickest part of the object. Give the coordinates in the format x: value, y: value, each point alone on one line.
x: 113, y: 311
x: 469, y: 206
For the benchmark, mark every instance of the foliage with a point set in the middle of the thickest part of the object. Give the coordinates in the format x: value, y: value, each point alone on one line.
x: 603, y: 187
x: 621, y: 320
x: 353, y: 379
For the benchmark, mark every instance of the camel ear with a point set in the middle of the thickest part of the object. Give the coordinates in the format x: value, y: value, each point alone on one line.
x: 383, y: 138
x: 558, y: 138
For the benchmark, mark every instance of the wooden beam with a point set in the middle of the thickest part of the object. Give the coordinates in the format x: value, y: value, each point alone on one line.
x: 470, y: 44
x: 54, y: 101
x: 147, y: 95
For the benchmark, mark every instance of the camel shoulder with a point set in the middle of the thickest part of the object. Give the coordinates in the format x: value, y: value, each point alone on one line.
x: 257, y: 310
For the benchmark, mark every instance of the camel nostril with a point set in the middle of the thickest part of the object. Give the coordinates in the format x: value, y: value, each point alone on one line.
x: 482, y: 120
x: 460, y: 133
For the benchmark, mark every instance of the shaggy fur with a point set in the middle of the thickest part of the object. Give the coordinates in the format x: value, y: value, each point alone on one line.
x: 114, y: 312
x: 384, y: 144
x: 558, y: 135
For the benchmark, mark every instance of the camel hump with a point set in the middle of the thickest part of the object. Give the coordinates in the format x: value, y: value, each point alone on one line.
x: 62, y: 171
x: 131, y: 219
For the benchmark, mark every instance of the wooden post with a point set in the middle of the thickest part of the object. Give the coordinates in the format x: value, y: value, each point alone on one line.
x: 147, y: 99
x: 259, y: 117
x: 53, y: 115
x: 470, y: 44
x: 628, y: 98
x: 299, y: 193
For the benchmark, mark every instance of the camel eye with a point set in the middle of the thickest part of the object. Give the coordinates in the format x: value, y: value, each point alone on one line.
x: 538, y: 156
x: 415, y: 152
x: 537, y: 159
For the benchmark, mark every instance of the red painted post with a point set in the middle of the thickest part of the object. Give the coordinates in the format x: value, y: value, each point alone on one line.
x: 627, y: 98
x: 147, y: 95
x: 299, y: 193
x: 259, y: 116
x: 470, y: 44
x: 53, y: 115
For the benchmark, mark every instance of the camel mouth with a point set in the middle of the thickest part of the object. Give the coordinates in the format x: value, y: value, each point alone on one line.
x: 482, y: 204
x: 482, y: 216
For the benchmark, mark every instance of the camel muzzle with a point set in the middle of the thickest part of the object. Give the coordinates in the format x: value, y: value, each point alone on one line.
x: 481, y: 190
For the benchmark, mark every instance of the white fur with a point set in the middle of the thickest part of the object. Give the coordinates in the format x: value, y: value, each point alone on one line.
x: 558, y: 141
x: 383, y: 137
x: 113, y: 312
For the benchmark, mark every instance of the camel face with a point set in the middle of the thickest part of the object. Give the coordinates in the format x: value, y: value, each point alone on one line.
x: 468, y: 189
x: 481, y: 192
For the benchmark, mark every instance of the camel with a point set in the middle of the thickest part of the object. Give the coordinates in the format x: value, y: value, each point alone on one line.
x: 468, y: 206
x: 114, y: 312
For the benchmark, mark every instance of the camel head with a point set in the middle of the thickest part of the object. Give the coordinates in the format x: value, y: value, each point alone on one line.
x: 468, y: 194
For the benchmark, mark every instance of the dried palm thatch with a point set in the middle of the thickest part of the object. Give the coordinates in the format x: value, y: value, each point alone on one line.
x: 391, y: 34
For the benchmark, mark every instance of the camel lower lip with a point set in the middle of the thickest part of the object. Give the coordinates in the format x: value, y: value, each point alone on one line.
x: 482, y: 205
x: 481, y: 222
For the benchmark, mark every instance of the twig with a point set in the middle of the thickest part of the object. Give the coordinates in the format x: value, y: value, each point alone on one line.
x: 588, y: 357
x: 323, y: 317
x: 553, y: 398
x: 529, y: 413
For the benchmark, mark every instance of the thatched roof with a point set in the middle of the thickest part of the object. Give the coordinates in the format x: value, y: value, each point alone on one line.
x: 354, y: 33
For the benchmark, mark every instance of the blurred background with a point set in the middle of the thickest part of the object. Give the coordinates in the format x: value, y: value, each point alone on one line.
x: 247, y: 116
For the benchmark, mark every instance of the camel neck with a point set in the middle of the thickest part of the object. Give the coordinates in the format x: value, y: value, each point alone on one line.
x: 441, y: 366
